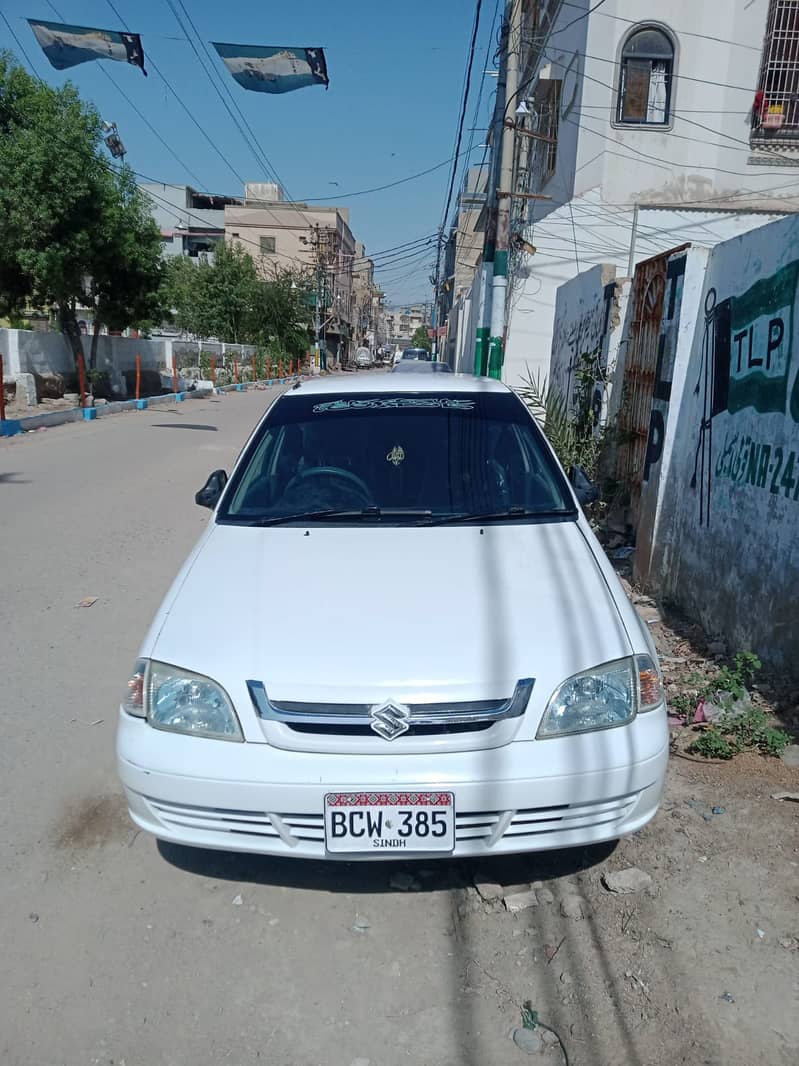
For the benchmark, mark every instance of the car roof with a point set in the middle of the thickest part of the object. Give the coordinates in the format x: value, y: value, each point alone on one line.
x: 389, y: 382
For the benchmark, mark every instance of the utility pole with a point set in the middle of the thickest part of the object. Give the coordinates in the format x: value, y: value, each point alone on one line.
x: 436, y: 296
x: 496, y: 344
x: 483, y: 334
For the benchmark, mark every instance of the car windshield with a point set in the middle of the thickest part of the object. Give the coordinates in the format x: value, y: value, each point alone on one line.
x: 397, y: 458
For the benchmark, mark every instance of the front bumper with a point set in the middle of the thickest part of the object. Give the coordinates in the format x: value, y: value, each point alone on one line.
x: 526, y: 796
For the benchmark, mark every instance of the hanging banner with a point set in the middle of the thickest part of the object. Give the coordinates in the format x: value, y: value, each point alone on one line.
x: 274, y: 70
x: 66, y: 46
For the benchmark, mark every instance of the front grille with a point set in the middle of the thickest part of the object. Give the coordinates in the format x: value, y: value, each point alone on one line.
x: 390, y: 719
x: 412, y: 731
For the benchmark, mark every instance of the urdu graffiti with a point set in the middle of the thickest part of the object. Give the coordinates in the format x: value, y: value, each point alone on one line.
x: 747, y: 363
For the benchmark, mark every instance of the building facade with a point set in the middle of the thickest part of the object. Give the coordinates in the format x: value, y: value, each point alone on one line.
x: 638, y: 127
x: 402, y: 322
x: 286, y: 235
x: 191, y: 222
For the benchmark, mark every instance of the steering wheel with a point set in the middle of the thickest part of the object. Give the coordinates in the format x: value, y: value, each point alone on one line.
x: 497, y: 471
x: 352, y: 480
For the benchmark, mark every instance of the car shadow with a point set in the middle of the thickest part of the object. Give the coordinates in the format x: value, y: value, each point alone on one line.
x: 425, y: 875
x: 182, y: 425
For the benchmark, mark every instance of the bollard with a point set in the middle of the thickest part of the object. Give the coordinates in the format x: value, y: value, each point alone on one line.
x: 213, y: 371
x: 2, y: 392
x: 175, y: 375
x: 138, y: 378
x: 82, y: 379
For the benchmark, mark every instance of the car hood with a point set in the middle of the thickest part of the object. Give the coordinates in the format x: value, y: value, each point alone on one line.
x: 416, y: 614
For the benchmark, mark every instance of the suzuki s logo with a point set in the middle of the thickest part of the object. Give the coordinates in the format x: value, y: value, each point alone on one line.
x: 390, y: 720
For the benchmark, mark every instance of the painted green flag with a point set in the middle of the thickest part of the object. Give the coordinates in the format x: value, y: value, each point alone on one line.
x: 761, y: 343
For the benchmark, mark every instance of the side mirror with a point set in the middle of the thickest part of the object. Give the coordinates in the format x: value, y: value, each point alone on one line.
x: 584, y: 489
x: 209, y: 494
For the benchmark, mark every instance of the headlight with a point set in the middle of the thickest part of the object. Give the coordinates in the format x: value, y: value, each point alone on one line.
x: 181, y: 702
x: 596, y: 699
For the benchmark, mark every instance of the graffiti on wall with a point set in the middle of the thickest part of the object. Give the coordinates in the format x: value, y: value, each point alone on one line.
x: 579, y: 338
x: 746, y: 363
x: 664, y: 367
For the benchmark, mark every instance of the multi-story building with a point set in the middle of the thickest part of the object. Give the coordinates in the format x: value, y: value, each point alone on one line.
x: 367, y: 300
x: 639, y: 126
x: 191, y: 222
x: 402, y: 322
x: 465, y: 243
x: 317, y: 240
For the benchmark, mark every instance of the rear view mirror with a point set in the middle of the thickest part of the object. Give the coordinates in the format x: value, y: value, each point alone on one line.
x: 584, y: 489
x: 209, y: 494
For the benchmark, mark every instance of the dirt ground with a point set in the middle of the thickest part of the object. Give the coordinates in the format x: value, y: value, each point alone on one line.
x: 117, y: 950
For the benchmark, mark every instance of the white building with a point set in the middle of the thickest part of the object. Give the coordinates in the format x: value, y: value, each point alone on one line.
x: 654, y: 124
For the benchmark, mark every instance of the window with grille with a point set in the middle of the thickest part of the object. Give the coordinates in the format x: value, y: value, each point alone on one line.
x: 775, y: 114
x: 267, y: 245
x: 546, y: 122
x: 647, y: 65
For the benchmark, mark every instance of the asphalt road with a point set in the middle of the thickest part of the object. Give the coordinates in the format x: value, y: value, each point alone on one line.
x: 113, y: 949
x: 117, y: 951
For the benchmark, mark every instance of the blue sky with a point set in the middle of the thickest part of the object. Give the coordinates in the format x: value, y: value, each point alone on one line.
x: 396, y: 74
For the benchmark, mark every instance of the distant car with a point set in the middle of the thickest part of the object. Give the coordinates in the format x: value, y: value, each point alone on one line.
x: 363, y: 357
x: 416, y: 353
x: 528, y: 711
x: 419, y: 366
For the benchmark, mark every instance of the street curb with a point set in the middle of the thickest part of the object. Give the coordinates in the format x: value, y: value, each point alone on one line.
x: 11, y: 427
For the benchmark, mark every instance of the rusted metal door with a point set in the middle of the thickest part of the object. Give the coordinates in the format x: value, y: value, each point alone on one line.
x: 649, y: 288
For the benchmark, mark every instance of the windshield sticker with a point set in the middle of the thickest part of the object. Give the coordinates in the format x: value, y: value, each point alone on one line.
x: 380, y: 403
x: 396, y: 455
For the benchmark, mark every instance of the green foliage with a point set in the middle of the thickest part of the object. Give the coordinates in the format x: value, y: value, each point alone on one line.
x: 737, y: 678
x: 229, y: 299
x: 420, y: 339
x: 748, y: 731
x: 737, y: 731
x: 74, y: 231
x: 573, y: 434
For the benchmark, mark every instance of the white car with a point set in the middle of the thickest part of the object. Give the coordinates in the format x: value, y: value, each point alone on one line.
x: 524, y: 712
x: 363, y: 357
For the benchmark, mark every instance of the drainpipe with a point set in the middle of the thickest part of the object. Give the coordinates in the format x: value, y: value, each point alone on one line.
x: 496, y: 344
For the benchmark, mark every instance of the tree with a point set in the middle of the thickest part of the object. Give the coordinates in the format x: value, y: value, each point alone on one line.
x: 127, y: 265
x: 73, y: 229
x: 231, y: 300
x: 420, y: 338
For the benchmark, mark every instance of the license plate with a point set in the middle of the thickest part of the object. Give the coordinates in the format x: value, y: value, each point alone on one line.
x: 389, y: 821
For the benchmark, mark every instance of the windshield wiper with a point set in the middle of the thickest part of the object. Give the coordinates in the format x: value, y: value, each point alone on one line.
x: 330, y: 513
x: 509, y: 515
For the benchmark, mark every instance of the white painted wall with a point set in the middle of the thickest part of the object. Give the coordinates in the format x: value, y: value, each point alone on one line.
x: 33, y: 352
x: 725, y: 542
x: 602, y: 235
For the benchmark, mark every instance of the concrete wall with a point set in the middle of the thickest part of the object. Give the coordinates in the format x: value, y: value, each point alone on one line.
x: 725, y: 487
x: 588, y: 316
x: 599, y: 234
x: 34, y: 352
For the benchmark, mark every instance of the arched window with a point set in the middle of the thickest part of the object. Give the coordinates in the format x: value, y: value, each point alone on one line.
x: 647, y: 63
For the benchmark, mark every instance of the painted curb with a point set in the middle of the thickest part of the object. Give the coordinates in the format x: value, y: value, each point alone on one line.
x: 10, y: 427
